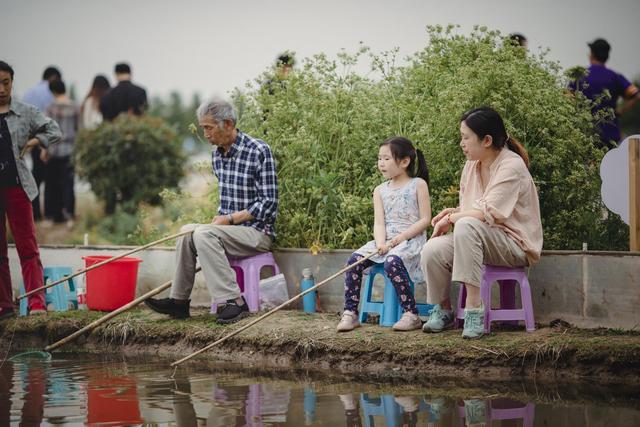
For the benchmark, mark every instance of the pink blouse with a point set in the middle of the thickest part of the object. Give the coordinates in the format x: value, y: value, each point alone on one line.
x: 509, y: 200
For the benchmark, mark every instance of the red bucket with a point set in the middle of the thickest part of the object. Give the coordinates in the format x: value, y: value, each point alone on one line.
x: 113, y: 285
x: 112, y: 401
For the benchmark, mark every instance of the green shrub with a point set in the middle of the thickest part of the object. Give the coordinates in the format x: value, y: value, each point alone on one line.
x: 324, y: 123
x: 134, y: 158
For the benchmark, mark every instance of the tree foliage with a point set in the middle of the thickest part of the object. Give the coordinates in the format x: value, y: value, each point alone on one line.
x: 134, y: 157
x: 325, y: 121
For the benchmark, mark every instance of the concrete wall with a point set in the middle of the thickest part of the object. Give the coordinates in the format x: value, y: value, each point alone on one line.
x: 587, y: 289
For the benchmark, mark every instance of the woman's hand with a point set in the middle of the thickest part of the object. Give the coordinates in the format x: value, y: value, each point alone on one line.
x: 442, y: 226
x: 44, y: 155
x: 441, y: 215
x: 33, y: 142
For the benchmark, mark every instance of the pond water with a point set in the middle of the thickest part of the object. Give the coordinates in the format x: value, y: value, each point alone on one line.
x: 82, y: 390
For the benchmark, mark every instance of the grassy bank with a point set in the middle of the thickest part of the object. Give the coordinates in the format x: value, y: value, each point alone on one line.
x: 293, y: 339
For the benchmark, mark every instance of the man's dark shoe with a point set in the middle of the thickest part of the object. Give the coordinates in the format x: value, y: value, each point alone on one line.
x: 169, y: 306
x: 6, y: 313
x: 231, y: 312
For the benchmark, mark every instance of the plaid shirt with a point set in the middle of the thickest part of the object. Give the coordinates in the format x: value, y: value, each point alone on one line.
x: 247, y: 180
x: 66, y: 114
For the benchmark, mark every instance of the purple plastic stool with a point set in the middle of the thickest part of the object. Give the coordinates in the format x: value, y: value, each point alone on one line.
x: 507, y: 409
x: 253, y: 407
x: 507, y: 277
x: 248, y: 277
x: 504, y: 409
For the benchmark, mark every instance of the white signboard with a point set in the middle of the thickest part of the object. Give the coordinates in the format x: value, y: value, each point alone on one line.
x: 614, y: 172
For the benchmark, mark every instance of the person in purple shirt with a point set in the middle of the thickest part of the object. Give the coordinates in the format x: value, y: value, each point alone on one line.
x: 599, y: 79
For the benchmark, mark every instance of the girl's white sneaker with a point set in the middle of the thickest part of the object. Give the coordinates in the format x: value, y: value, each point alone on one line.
x: 348, y: 322
x: 408, y: 322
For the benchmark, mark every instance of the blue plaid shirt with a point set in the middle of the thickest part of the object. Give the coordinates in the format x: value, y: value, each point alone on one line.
x: 247, y: 180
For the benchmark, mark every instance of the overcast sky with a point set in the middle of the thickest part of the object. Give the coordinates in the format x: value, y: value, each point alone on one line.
x: 212, y: 46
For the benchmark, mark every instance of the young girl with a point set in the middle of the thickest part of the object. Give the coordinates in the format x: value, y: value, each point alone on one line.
x: 402, y: 211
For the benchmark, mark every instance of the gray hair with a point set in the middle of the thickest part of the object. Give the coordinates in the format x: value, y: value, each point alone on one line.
x: 217, y: 108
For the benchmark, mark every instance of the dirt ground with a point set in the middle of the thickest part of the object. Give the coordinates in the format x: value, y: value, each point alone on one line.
x: 295, y: 340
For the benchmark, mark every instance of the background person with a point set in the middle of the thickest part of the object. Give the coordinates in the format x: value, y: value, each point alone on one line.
x: 90, y: 115
x: 519, y: 39
x: 40, y: 96
x: 22, y: 127
x: 497, y: 221
x: 125, y: 97
x: 600, y: 80
x: 60, y: 175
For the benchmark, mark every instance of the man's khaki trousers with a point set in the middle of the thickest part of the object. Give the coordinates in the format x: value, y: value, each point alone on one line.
x: 211, y: 244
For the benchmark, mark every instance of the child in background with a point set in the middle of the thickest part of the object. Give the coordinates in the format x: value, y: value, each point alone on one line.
x: 402, y: 211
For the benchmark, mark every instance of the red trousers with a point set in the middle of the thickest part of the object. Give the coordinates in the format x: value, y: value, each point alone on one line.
x: 16, y: 207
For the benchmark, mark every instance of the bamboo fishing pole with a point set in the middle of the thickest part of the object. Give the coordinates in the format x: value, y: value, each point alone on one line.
x: 101, y: 263
x: 264, y: 316
x: 111, y: 315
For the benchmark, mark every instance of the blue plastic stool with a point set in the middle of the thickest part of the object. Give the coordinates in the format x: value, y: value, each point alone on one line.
x: 309, y: 403
x: 387, y: 407
x: 60, y: 295
x: 384, y: 405
x: 389, y: 308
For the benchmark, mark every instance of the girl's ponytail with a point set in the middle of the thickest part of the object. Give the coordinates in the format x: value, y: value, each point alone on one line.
x: 515, y: 146
x: 402, y: 148
x: 422, y: 171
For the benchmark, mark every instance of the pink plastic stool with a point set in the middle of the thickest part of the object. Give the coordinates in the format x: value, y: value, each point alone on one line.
x: 507, y: 277
x: 248, y: 277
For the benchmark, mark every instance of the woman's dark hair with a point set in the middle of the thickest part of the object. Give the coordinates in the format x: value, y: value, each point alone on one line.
x: 6, y: 68
x: 485, y: 121
x: 401, y: 148
x: 99, y: 87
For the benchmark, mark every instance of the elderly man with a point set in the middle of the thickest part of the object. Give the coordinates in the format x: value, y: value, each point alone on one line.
x: 244, y: 226
x: 22, y: 128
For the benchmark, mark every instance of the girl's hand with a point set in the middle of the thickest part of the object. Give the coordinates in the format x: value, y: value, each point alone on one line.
x: 383, y: 248
x: 441, y: 215
x: 394, y: 242
x: 441, y: 227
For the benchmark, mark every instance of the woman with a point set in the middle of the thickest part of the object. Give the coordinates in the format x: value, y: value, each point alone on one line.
x: 496, y: 223
x: 90, y: 110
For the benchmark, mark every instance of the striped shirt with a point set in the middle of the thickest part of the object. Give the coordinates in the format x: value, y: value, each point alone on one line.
x: 247, y: 180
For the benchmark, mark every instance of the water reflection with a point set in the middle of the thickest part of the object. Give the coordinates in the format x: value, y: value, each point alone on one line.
x: 93, y: 392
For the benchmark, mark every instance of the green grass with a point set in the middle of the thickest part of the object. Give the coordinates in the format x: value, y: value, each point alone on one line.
x: 307, y: 338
